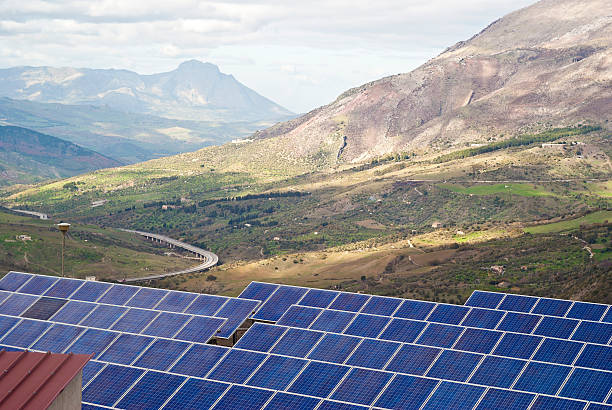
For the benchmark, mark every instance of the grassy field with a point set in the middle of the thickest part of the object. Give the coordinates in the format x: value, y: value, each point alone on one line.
x: 572, y: 224
x: 492, y: 189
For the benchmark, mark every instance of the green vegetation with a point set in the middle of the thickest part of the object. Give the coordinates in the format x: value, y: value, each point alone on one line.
x: 491, y: 189
x: 572, y: 224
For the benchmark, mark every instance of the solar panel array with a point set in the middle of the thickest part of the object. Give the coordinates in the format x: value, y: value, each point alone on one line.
x: 313, y: 348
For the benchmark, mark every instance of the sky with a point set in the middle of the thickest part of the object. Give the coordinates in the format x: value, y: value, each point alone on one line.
x: 300, y: 54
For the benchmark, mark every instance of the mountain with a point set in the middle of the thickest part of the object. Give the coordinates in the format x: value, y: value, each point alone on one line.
x: 193, y: 91
x: 27, y: 156
x: 546, y: 65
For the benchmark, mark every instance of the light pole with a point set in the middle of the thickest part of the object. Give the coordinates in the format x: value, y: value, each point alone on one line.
x: 63, y: 227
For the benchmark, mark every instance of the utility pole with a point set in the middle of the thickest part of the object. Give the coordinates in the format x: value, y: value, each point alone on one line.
x: 63, y: 227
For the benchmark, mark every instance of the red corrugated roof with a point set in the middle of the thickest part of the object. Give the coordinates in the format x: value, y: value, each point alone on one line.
x: 32, y: 380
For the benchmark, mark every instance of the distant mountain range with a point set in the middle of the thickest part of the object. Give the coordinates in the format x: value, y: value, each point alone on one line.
x: 27, y: 156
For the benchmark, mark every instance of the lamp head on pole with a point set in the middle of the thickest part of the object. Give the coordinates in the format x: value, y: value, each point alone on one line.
x: 63, y: 226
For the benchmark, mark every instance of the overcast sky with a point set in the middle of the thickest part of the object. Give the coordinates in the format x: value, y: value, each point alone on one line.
x: 301, y: 54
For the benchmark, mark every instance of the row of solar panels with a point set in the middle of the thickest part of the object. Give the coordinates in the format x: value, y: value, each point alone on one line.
x: 122, y: 307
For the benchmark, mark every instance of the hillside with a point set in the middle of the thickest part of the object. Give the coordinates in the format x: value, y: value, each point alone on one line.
x: 27, y: 156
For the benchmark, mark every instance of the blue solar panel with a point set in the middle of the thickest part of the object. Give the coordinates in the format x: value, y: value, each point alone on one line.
x: 103, y: 316
x: 197, y: 394
x: 586, y: 311
x: 361, y: 386
x: 6, y: 323
x: 108, y: 386
x: 16, y: 304
x: 332, y: 321
x: 453, y: 365
x: 318, y: 379
x: 14, y: 280
x: 38, y: 285
x: 558, y: 351
x: 378, y: 305
x: 517, y: 345
x: 299, y: 316
x: 483, y: 299
x: 126, y: 348
x: 93, y: 341
x: 597, y: 406
x: 243, y: 398
x: 412, y: 359
x: 478, y: 340
x: 519, y: 322
x: 90, y: 370
x: 351, y: 302
x: 450, y: 314
x: 454, y: 396
x: 282, y: 401
x: 147, y: 298
x: 556, y: 403
x: 4, y: 295
x: 63, y: 288
x: 200, y: 329
x: 25, y: 333
x: 44, y: 308
x: 556, y: 327
x: 497, y: 371
x: 277, y: 372
x: 73, y: 312
x: 206, y: 305
x: 367, y: 325
x: 596, y: 357
x: 552, y: 307
x: 261, y: 337
x: 403, y: 330
x: 335, y: 405
x: 542, y: 378
x: 297, y: 342
x: 373, y: 354
x: 134, y: 320
x: 57, y: 338
x: 334, y: 348
x: 90, y: 291
x: 237, y: 366
x: 199, y: 359
x: 587, y: 384
x: 505, y: 399
x: 279, y: 302
x: 318, y: 298
x: 406, y: 392
x: 593, y: 332
x: 161, y: 354
x: 176, y: 301
x: 518, y: 303
x: 439, y: 335
x: 235, y: 311
x: 483, y: 318
x: 414, y: 309
x: 608, y: 316
x: 166, y: 324
x: 118, y: 294
x: 258, y: 291
x: 151, y: 391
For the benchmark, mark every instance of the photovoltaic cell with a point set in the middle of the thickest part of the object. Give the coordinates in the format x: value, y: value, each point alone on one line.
x: 200, y: 329
x: 519, y: 322
x: 505, y: 399
x: 367, y: 325
x: 25, y: 333
x: 596, y: 357
x: 134, y: 320
x: 90, y: 370
x: 44, y: 308
x: 4, y: 295
x: 413, y: 359
x: 517, y: 345
x: 608, y: 316
x: 14, y: 280
x: 453, y: 365
x: 439, y: 335
x: 414, y: 309
x: 282, y: 401
x: 299, y: 316
x: 552, y: 307
x: 478, y: 340
x: 361, y: 386
x: 6, y: 323
x: 497, y: 371
x: 166, y: 324
x: 93, y: 341
x: 90, y: 291
x: 235, y: 311
x: 556, y: 327
x: 592, y: 332
x: 161, y: 354
x: 334, y: 348
x: 450, y: 314
x: 373, y: 354
x: 483, y: 318
x: 332, y: 321
x: 258, y: 291
x: 279, y: 302
x: 351, y: 302
x: 557, y: 403
x: 16, y: 304
x: 38, y: 285
x: 403, y: 330
x: 378, y: 305
x: 57, y: 338
x: 518, y: 303
x: 176, y: 301
x: 151, y: 391
x: 199, y: 359
x: 297, y: 342
x: 206, y: 305
x: 484, y: 299
x: 237, y: 366
x: 542, y: 378
x: 406, y: 392
x: 244, y: 398
x: 260, y: 337
x: 197, y: 394
x: 110, y: 384
x: 277, y: 372
x: 558, y: 351
x: 63, y: 288
x: 597, y: 406
x: 587, y: 384
x: 586, y: 311
x: 125, y: 349
x: 73, y: 312
x: 118, y: 294
x: 103, y: 316
x: 318, y: 298
x: 147, y: 298
x: 454, y: 396
x: 335, y: 405
x: 318, y: 379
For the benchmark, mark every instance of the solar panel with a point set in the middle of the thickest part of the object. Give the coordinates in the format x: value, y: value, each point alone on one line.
x: 297, y: 342
x: 335, y: 405
x: 334, y: 348
x: 16, y: 304
x: 73, y: 312
x: 176, y: 301
x: 4, y: 295
x: 200, y: 329
x: 242, y: 397
x: 483, y: 299
x: 483, y: 318
x: 450, y: 314
x: 110, y: 384
x: 151, y: 391
x: 332, y: 321
x: 588, y: 384
x: 318, y: 298
x: 596, y: 357
x: 558, y: 351
x: 608, y: 316
x: 147, y: 298
x: 517, y: 345
x: 518, y: 303
x: 134, y: 320
x: 457, y: 396
x: 103, y: 316
x: 413, y: 359
x: 282, y: 401
x: 497, y: 371
x: 91, y: 369
x: 261, y: 337
x: 505, y: 399
x: 351, y: 302
x: 57, y: 338
x: 403, y: 330
x: 125, y: 349
x: 14, y: 280
x: 439, y: 335
x: 118, y: 294
x: 38, y: 285
x: 592, y: 332
x: 552, y: 307
x: 197, y: 394
x: 557, y: 403
x: 6, y: 323
x: 542, y: 378
x: 478, y: 340
x: 454, y: 365
x: 90, y: 291
x: 92, y: 341
x: 361, y: 386
x: 299, y: 316
x: 378, y: 305
x: 556, y: 327
x: 206, y: 305
x: 406, y: 392
x: 258, y: 291
x: 414, y: 309
x: 161, y: 354
x: 519, y: 322
x: 318, y: 379
x: 199, y: 360
x: 367, y: 325
x: 237, y: 366
x: 277, y: 372
x: 279, y: 302
x: 63, y: 288
x: 25, y: 333
x: 586, y: 311
x: 166, y: 324
x: 235, y: 311
x: 373, y: 354
x: 44, y: 308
